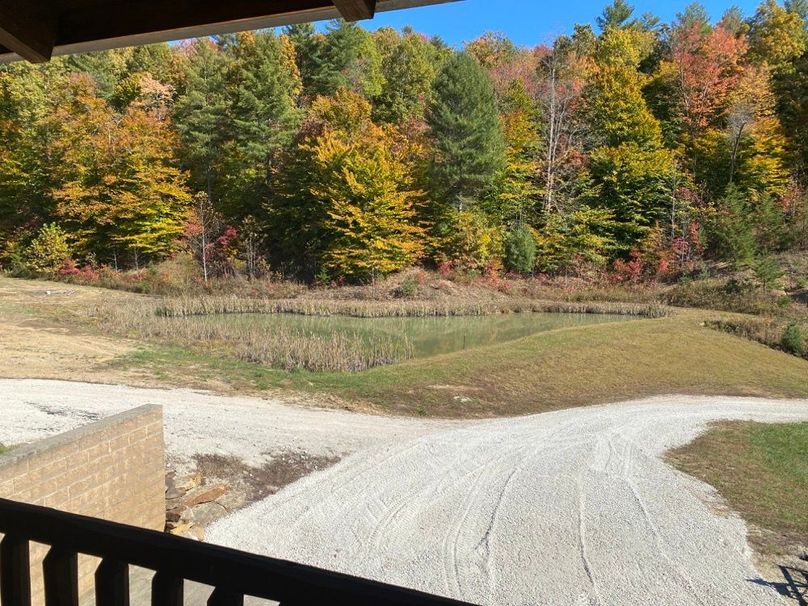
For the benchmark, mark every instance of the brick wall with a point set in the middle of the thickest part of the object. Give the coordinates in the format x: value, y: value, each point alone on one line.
x: 112, y: 469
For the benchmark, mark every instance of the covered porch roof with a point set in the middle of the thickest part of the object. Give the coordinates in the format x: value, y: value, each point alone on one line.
x: 35, y: 30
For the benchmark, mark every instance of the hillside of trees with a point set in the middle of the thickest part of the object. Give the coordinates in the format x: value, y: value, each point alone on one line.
x: 632, y: 146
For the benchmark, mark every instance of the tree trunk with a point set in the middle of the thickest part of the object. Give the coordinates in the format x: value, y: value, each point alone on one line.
x: 551, y: 141
x: 735, y: 146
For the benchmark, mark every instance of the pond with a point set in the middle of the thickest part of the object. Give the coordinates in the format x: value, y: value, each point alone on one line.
x: 428, y: 336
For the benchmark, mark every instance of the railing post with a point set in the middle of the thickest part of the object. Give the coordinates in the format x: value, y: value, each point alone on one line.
x: 15, y: 572
x: 61, y: 571
x: 225, y: 597
x: 232, y: 573
x: 112, y: 583
x: 167, y: 590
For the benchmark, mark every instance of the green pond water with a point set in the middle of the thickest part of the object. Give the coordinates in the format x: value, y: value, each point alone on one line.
x: 428, y: 336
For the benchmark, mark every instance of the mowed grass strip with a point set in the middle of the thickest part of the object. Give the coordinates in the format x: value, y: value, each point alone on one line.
x: 580, y: 366
x: 761, y: 471
x: 546, y: 371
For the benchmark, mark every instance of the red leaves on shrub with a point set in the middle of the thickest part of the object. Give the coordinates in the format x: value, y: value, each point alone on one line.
x: 631, y: 270
x: 71, y: 272
x: 446, y: 270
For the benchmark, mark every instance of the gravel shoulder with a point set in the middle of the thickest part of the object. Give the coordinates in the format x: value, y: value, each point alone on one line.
x: 569, y: 507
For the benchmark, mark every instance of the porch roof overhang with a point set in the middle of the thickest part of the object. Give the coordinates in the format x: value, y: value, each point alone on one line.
x: 36, y: 30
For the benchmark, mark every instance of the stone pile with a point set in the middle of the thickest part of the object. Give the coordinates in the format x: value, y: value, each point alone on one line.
x: 192, y: 505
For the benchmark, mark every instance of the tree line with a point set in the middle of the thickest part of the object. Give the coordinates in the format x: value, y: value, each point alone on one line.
x: 632, y: 144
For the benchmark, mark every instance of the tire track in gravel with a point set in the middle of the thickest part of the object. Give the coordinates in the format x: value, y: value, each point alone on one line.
x: 648, y: 519
x: 525, y: 454
x: 529, y: 511
x: 583, y: 548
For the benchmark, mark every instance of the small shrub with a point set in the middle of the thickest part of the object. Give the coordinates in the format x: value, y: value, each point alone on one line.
x: 72, y: 273
x: 793, y: 341
x: 767, y: 271
x: 322, y: 278
x: 48, y: 251
x: 520, y: 251
x: 446, y: 270
x: 631, y: 270
x: 471, y: 244
x: 408, y: 288
x: 731, y: 230
x: 16, y: 261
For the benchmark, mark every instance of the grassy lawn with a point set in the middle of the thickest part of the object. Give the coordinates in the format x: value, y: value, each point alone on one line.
x: 761, y: 470
x: 547, y: 371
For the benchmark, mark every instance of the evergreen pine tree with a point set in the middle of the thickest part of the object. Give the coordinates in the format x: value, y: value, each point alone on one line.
x: 469, y: 148
x: 346, y: 57
x: 308, y: 46
x: 617, y: 14
x: 200, y: 115
x: 264, y: 83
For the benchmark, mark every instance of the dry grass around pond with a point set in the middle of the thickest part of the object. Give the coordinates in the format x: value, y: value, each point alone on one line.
x: 285, y: 348
x: 575, y: 366
x: 211, y: 305
x: 778, y: 333
x: 194, y: 322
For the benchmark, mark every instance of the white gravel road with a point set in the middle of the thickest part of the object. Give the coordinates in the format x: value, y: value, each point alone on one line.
x: 252, y: 429
x: 567, y: 508
x: 572, y: 507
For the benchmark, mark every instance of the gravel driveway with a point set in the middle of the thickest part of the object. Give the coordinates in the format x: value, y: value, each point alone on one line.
x: 572, y: 507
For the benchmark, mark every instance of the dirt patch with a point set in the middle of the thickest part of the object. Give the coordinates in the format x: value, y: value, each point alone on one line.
x: 224, y: 484
x: 39, y: 335
x: 250, y: 484
x: 31, y: 350
x: 454, y: 388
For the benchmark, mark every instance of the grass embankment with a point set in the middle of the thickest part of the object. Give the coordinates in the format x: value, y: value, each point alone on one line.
x: 546, y: 371
x: 761, y: 471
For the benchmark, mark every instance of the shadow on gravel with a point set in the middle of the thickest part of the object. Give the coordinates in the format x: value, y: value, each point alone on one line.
x: 794, y: 585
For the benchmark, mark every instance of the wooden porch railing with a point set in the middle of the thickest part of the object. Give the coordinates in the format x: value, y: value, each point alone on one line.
x: 233, y: 574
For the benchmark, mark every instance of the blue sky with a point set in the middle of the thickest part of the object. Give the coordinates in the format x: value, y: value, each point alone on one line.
x: 527, y: 22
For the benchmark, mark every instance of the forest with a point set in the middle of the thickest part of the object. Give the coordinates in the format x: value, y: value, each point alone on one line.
x: 329, y: 154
